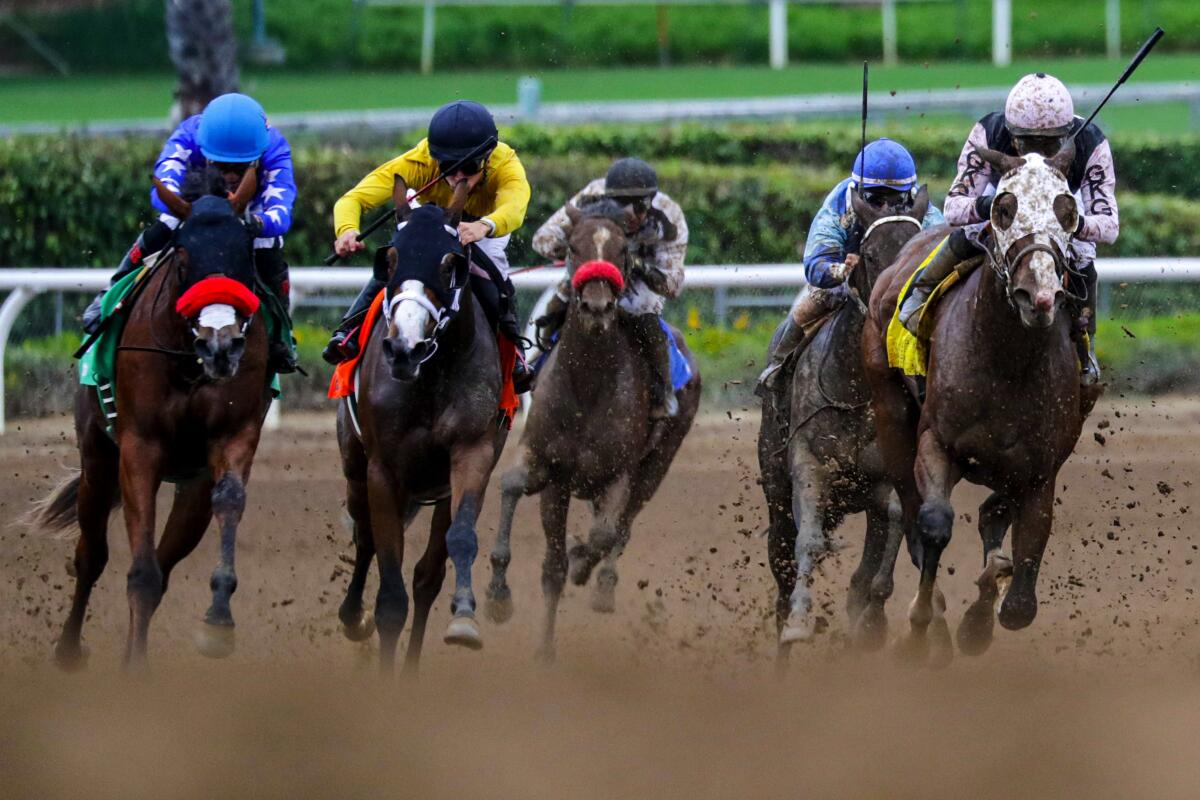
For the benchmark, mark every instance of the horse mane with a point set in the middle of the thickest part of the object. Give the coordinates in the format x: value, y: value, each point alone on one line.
x: 604, y: 208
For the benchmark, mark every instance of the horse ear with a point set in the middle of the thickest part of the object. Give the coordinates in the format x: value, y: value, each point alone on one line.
x: 1062, y: 160
x: 1004, y: 210
x: 864, y: 211
x: 1001, y: 162
x: 247, y: 186
x: 175, y: 204
x: 458, y: 202
x: 573, y: 213
x: 393, y: 260
x: 920, y: 203
x: 1067, y: 212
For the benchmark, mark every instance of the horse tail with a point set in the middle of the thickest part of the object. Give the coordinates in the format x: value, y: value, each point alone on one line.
x: 58, y: 510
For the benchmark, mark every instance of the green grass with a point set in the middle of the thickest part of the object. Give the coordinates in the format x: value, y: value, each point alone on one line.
x: 92, y: 98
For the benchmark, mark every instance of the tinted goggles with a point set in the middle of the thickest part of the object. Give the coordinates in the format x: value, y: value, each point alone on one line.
x: 471, y: 166
x: 881, y: 198
x: 639, y: 204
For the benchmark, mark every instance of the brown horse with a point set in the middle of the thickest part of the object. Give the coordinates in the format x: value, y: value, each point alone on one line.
x: 820, y: 462
x: 589, y: 433
x: 198, y: 424
x: 1003, y: 404
x: 425, y: 431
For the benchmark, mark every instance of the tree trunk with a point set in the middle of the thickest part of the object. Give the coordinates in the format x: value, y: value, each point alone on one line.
x: 203, y: 48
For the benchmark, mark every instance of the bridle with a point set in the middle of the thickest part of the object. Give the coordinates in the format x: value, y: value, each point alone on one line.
x: 874, y: 226
x: 1005, y: 265
x: 442, y: 315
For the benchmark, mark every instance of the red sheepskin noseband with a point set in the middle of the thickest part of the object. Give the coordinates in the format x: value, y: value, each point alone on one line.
x: 217, y: 289
x: 598, y: 271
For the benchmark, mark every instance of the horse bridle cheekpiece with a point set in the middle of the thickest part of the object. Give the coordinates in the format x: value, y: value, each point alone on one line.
x: 1035, y: 184
x: 421, y: 243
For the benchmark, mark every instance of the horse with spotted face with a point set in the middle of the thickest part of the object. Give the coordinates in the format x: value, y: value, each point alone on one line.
x: 1003, y: 404
x: 426, y: 431
x: 196, y: 425
x: 589, y: 433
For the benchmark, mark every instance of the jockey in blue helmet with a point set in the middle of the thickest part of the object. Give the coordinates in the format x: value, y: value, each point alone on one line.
x: 885, y: 176
x: 231, y: 135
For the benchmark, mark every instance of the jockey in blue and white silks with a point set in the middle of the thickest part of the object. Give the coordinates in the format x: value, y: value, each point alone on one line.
x: 884, y: 175
x: 232, y: 135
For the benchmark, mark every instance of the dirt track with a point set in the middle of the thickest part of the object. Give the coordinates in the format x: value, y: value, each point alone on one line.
x: 673, y: 695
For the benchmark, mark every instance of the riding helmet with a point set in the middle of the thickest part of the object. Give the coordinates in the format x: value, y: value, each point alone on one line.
x: 887, y: 165
x: 1039, y: 105
x: 233, y: 130
x: 460, y: 130
x: 630, y: 177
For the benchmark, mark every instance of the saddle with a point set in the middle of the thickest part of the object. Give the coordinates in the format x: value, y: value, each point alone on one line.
x: 907, y: 352
x: 344, y: 383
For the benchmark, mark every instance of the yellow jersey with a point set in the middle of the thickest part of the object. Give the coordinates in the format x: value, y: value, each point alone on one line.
x: 502, y: 197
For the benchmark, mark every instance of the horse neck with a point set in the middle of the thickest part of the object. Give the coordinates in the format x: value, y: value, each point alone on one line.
x: 154, y: 321
x: 459, y: 336
x: 1000, y: 339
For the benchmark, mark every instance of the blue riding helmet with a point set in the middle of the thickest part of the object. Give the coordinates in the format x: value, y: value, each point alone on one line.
x: 888, y: 165
x: 233, y: 130
x: 460, y: 130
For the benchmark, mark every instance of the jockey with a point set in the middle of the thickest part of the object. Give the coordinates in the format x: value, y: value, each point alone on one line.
x: 658, y: 237
x: 462, y: 145
x: 233, y: 135
x: 885, y: 176
x: 1038, y: 117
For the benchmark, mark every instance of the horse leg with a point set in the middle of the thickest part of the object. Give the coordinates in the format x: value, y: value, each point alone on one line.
x: 141, y: 462
x: 883, y: 526
x: 556, y: 500
x: 513, y: 484
x: 357, y: 623
x: 1031, y: 530
x: 191, y: 511
x: 809, y: 498
x: 97, y: 485
x: 607, y: 539
x: 975, y: 631
x: 874, y: 544
x: 428, y: 577
x: 387, y: 501
x: 470, y: 467
x: 935, y: 521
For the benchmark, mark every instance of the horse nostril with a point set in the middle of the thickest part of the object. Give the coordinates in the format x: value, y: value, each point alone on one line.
x: 1045, y: 301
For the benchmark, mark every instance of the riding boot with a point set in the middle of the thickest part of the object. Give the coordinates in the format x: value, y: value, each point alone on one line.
x: 653, y: 342
x: 148, y: 243
x: 273, y: 273
x: 343, y: 345
x: 954, y: 249
x: 1089, y: 373
x: 790, y: 337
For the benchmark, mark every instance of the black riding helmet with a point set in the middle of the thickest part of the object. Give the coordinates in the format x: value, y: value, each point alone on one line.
x: 631, y: 178
x: 461, y: 130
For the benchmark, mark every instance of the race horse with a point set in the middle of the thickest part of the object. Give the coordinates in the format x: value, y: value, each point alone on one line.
x: 1003, y: 404
x: 589, y: 433
x: 818, y: 457
x: 421, y: 427
x: 192, y: 389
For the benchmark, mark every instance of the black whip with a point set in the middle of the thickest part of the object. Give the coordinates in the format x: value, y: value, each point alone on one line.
x: 1133, y: 65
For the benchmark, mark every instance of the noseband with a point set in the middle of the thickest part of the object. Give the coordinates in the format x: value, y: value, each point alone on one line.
x: 1004, y: 266
x: 885, y: 220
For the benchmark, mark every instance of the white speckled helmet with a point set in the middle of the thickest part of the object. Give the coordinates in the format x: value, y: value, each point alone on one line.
x: 1039, y: 105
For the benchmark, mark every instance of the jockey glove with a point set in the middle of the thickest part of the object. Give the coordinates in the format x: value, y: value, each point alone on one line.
x: 653, y: 277
x: 983, y: 206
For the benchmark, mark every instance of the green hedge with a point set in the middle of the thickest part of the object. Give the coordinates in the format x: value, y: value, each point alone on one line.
x: 320, y: 33
x: 71, y: 201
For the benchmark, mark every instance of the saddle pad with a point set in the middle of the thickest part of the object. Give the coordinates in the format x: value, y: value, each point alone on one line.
x: 906, y: 352
x: 681, y: 370
x: 345, y: 376
x: 97, y: 367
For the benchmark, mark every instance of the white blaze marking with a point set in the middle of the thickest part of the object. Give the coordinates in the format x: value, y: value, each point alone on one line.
x: 410, y: 317
x: 600, y: 238
x: 217, y: 316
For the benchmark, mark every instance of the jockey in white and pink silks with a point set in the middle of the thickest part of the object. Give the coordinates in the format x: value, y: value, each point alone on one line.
x: 1038, y: 117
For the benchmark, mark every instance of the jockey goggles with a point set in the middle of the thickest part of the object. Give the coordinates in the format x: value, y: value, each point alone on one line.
x: 471, y: 166
x: 639, y: 203
x: 879, y: 196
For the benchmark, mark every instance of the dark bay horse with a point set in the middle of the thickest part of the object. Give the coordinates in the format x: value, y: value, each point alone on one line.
x: 1003, y: 404
x: 195, y: 423
x: 589, y: 433
x: 820, y: 462
x: 427, y: 432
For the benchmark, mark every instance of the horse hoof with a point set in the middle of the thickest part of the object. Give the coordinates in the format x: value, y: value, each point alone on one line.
x: 974, y: 634
x: 941, y: 645
x: 604, y: 600
x: 870, y: 631
x: 797, y: 629
x: 579, y: 564
x: 71, y: 658
x: 500, y: 607
x: 1017, y: 612
x: 361, y: 629
x: 463, y: 631
x: 214, y: 641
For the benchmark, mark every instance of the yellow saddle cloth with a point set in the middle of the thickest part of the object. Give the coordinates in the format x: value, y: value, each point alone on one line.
x: 907, y: 352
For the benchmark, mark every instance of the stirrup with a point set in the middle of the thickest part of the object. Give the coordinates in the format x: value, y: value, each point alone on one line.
x: 910, y: 316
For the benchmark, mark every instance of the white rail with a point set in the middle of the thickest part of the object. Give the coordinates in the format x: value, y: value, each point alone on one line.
x: 23, y: 285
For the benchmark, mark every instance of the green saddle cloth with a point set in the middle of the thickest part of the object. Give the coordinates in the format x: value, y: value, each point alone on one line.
x: 98, y: 366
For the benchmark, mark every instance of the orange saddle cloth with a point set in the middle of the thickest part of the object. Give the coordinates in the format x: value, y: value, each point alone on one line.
x: 345, y: 375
